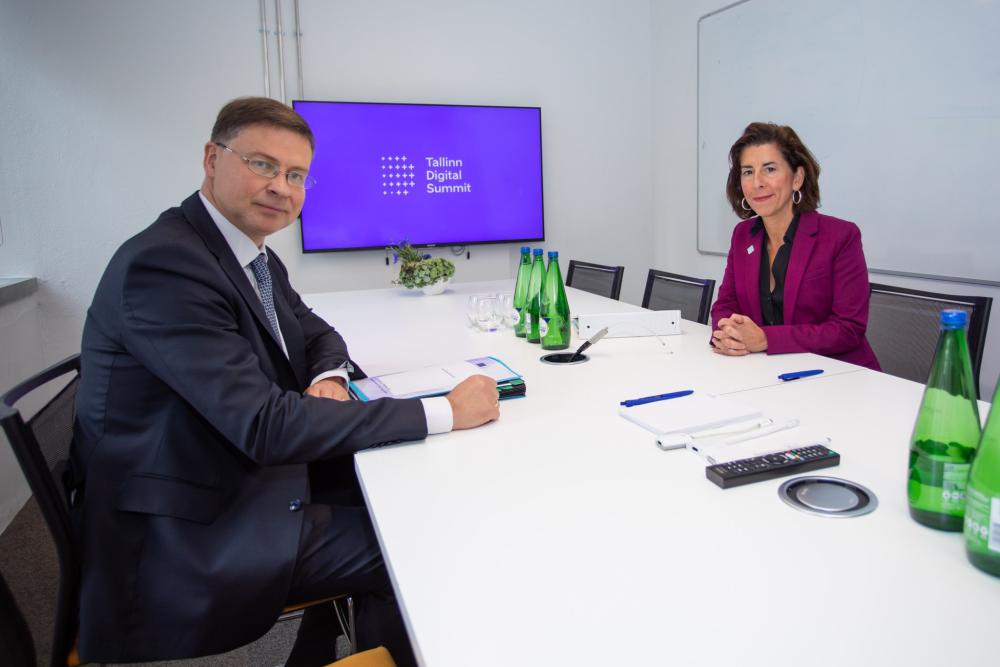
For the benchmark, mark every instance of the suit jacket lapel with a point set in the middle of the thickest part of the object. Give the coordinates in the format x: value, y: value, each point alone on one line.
x: 751, y: 273
x: 802, y: 249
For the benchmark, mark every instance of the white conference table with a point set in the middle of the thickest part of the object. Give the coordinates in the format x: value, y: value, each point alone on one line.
x: 561, y: 535
x: 389, y: 330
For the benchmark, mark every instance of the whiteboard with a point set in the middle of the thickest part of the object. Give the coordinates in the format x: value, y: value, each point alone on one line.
x: 899, y: 100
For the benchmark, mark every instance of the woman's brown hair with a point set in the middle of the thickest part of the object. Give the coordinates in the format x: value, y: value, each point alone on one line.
x: 792, y: 149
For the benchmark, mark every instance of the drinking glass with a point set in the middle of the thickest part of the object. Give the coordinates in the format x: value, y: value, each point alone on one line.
x: 488, y: 313
x: 472, y: 310
x: 509, y: 314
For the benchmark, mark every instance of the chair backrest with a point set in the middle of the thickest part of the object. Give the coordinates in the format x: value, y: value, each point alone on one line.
x: 672, y: 291
x: 903, y: 327
x: 595, y: 278
x: 41, y: 446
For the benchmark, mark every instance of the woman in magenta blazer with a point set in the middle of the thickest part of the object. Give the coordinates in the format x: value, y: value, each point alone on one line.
x: 796, y: 280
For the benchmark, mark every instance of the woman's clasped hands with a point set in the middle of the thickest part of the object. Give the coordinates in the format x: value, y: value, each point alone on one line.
x: 738, y: 335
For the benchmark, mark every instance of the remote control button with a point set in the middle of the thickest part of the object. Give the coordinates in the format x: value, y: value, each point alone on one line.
x: 775, y: 458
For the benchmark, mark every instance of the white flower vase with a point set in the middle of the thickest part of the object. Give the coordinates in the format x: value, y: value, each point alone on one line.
x: 436, y: 288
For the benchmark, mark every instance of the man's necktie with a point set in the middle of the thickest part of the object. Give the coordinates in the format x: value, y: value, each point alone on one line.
x: 260, y: 271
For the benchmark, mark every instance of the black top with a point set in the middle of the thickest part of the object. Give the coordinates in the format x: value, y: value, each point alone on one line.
x: 772, y: 301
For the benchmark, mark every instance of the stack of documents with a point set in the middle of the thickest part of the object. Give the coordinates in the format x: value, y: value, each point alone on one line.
x: 439, y: 380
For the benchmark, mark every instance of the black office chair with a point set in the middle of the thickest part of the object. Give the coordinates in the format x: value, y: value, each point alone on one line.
x: 17, y: 649
x: 903, y: 327
x: 42, y: 449
x: 595, y: 278
x: 672, y: 291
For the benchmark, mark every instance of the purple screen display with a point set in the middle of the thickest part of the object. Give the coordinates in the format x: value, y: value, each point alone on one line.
x: 428, y: 174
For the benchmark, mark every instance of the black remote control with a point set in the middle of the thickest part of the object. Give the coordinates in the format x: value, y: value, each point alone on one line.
x: 771, y: 466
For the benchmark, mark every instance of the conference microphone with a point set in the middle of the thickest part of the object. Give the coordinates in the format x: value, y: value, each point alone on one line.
x: 593, y: 339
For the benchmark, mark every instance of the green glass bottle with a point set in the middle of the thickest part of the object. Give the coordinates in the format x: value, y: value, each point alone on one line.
x: 533, y: 303
x: 555, y: 308
x: 521, y: 289
x: 946, y: 433
x: 982, y: 508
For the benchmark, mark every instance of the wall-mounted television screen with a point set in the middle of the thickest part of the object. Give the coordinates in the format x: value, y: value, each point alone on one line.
x: 429, y: 174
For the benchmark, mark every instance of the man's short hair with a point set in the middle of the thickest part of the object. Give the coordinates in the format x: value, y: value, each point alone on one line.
x: 245, y: 111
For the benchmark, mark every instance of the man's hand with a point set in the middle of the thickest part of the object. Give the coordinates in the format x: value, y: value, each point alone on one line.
x: 334, y: 388
x: 738, y: 335
x: 474, y: 402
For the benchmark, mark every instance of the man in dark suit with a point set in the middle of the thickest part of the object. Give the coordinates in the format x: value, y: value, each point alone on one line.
x: 212, y: 454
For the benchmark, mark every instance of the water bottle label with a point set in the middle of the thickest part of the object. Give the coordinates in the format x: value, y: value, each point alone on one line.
x: 939, y: 487
x: 543, y: 326
x: 982, y: 522
x: 955, y: 477
x: 515, y: 317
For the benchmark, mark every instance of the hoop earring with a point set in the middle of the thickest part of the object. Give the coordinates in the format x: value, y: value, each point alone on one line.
x: 743, y: 205
x: 799, y: 200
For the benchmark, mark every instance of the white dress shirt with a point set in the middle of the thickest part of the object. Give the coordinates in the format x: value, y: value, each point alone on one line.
x: 437, y: 410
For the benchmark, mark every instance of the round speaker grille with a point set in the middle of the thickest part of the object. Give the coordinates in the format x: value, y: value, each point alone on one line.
x: 828, y: 496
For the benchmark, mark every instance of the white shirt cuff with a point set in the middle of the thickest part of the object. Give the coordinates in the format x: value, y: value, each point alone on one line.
x: 339, y: 373
x: 437, y: 410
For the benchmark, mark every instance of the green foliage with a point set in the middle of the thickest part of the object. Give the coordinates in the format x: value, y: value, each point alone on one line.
x: 407, y: 253
x: 420, y: 270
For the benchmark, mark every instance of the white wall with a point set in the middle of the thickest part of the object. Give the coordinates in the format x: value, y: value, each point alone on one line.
x: 675, y: 144
x: 105, y: 106
x: 587, y: 64
x: 20, y: 356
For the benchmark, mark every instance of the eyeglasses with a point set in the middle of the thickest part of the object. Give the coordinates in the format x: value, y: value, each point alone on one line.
x: 267, y: 169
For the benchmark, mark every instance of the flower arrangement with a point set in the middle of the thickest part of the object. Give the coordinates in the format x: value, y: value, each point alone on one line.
x: 419, y: 269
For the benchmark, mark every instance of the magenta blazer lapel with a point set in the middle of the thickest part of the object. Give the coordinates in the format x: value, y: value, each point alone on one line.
x: 749, y: 252
x: 802, y: 249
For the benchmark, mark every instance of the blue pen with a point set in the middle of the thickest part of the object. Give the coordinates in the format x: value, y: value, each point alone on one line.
x: 785, y: 377
x: 653, y: 399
